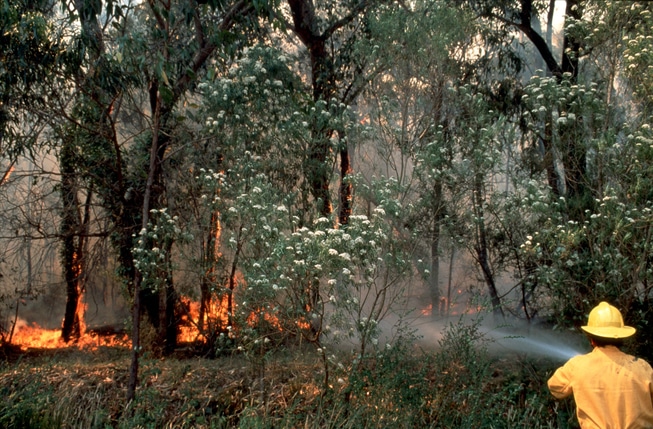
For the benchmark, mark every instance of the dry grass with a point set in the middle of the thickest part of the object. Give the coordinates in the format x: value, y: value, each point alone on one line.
x: 89, y: 388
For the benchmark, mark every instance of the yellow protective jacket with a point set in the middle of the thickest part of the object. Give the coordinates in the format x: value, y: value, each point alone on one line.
x: 612, y: 390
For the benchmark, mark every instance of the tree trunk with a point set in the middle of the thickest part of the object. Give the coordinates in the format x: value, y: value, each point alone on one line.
x: 573, y: 152
x: 136, y: 305
x: 346, y: 197
x: 136, y: 340
x: 311, y: 32
x: 72, y: 252
x: 168, y: 315
x: 549, y: 157
x: 434, y: 275
x: 481, y: 249
x: 450, y: 279
x: 72, y: 225
x: 577, y: 184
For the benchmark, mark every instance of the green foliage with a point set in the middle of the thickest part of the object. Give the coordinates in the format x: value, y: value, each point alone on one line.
x: 257, y: 110
x: 241, y: 160
x: 474, y: 388
x: 28, y: 55
x: 28, y: 408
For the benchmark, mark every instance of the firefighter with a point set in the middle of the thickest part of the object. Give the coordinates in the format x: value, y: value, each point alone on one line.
x: 611, y: 388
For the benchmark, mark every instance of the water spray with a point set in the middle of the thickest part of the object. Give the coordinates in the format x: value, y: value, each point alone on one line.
x: 515, y: 338
x: 540, y: 343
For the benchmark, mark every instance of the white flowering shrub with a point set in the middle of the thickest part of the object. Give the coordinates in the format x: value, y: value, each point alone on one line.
x: 256, y: 120
x: 151, y: 251
x: 575, y: 108
x: 259, y: 132
x: 574, y: 251
x: 638, y: 52
x: 338, y: 282
x: 603, y: 256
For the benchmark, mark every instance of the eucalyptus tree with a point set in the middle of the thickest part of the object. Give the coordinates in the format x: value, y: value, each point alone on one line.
x: 571, y: 180
x: 172, y: 46
x: 88, y: 110
x: 337, y: 40
x: 47, y: 50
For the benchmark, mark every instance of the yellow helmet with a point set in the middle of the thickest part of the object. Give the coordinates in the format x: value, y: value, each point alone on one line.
x: 606, y: 321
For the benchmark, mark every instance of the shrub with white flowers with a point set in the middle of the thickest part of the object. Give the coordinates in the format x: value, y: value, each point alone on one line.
x: 153, y: 245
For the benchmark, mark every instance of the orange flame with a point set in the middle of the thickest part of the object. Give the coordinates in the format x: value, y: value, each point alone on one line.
x: 215, y: 317
x: 35, y: 337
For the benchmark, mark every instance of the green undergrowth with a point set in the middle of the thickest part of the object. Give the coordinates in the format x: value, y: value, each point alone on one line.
x: 459, y: 385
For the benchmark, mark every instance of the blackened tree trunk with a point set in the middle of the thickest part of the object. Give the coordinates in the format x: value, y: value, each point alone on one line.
x: 317, y: 168
x: 73, y: 248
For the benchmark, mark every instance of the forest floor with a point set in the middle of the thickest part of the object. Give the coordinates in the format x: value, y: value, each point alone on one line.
x: 87, y: 387
x: 98, y: 378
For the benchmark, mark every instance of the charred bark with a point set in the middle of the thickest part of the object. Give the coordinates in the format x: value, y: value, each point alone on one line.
x: 69, y: 225
x: 73, y: 232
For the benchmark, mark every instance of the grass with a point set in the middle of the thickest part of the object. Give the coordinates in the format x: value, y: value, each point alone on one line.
x: 458, y: 386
